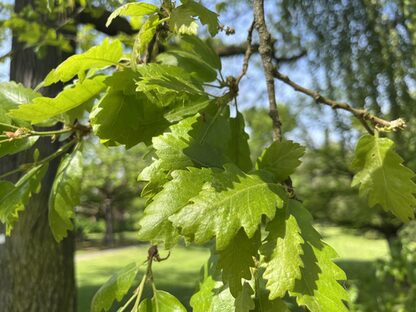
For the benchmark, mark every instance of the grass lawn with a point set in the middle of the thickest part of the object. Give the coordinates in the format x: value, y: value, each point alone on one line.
x: 179, y: 274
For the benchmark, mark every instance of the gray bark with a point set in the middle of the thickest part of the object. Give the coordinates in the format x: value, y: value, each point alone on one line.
x: 36, y: 273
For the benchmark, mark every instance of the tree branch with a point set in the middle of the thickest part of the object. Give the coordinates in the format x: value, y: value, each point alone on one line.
x: 362, y: 114
x: 118, y: 25
x: 266, y: 53
x: 233, y: 50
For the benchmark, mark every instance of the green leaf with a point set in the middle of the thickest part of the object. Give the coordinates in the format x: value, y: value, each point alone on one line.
x: 114, y: 289
x: 145, y: 35
x: 229, y: 201
x: 101, y: 56
x: 155, y: 226
x: 237, y: 259
x: 165, y: 79
x: 191, y: 63
x: 187, y: 143
x: 239, y: 149
x: 318, y: 288
x: 212, y: 296
x: 262, y: 301
x: 282, y: 254
x: 244, y: 302
x: 162, y: 301
x: 383, y: 178
x: 13, y: 198
x: 65, y: 195
x: 196, y: 46
x: 12, y: 94
x: 281, y: 158
x: 44, y: 108
x: 194, y: 56
x: 132, y: 10
x: 16, y: 146
x: 182, y: 19
x: 127, y: 119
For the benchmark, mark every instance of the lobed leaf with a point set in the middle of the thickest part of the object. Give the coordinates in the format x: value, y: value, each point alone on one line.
x: 229, y: 201
x: 16, y: 146
x: 281, y: 159
x: 182, y: 18
x: 137, y: 9
x: 382, y: 177
x: 282, y: 254
x: 155, y: 225
x: 65, y: 195
x: 98, y: 57
x: 44, y: 108
x: 162, y: 301
x: 127, y: 118
x: 187, y: 143
x: 114, y: 289
x: 244, y: 301
x: 237, y: 259
x: 212, y: 296
x: 318, y: 288
x: 13, y: 198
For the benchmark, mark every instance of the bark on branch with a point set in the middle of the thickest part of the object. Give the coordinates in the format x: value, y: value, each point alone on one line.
x: 266, y: 53
x: 362, y: 114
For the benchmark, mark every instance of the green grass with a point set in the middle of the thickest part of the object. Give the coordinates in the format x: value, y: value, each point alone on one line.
x: 179, y: 274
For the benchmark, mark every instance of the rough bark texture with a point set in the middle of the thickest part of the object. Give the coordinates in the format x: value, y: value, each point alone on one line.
x: 36, y: 273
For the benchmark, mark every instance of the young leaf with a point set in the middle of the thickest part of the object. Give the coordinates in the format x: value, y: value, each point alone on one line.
x: 65, y: 195
x: 281, y: 158
x: 182, y: 19
x: 239, y: 148
x: 145, y: 36
x: 162, y: 301
x: 114, y: 289
x: 44, y: 108
x: 195, y: 56
x: 133, y: 10
x: 16, y: 146
x: 318, y: 288
x: 155, y: 226
x: 187, y: 143
x: 165, y: 79
x: 262, y: 301
x: 196, y: 46
x: 13, y: 198
x: 231, y: 200
x: 244, y: 302
x: 104, y: 55
x: 127, y: 119
x: 237, y: 259
x: 383, y: 178
x: 12, y: 94
x: 282, y: 254
x: 212, y: 296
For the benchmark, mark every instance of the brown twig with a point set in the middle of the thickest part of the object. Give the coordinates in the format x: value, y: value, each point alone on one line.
x: 266, y: 53
x: 362, y: 114
x: 247, y: 54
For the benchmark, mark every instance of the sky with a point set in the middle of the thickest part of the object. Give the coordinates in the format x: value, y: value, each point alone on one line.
x: 252, y: 88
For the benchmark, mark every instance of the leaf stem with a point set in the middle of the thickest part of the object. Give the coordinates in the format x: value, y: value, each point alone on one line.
x: 28, y: 166
x: 139, y: 292
x: 51, y: 133
x: 8, y: 126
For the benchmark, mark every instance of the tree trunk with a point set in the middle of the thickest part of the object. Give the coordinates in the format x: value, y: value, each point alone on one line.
x: 108, y: 215
x: 36, y: 273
